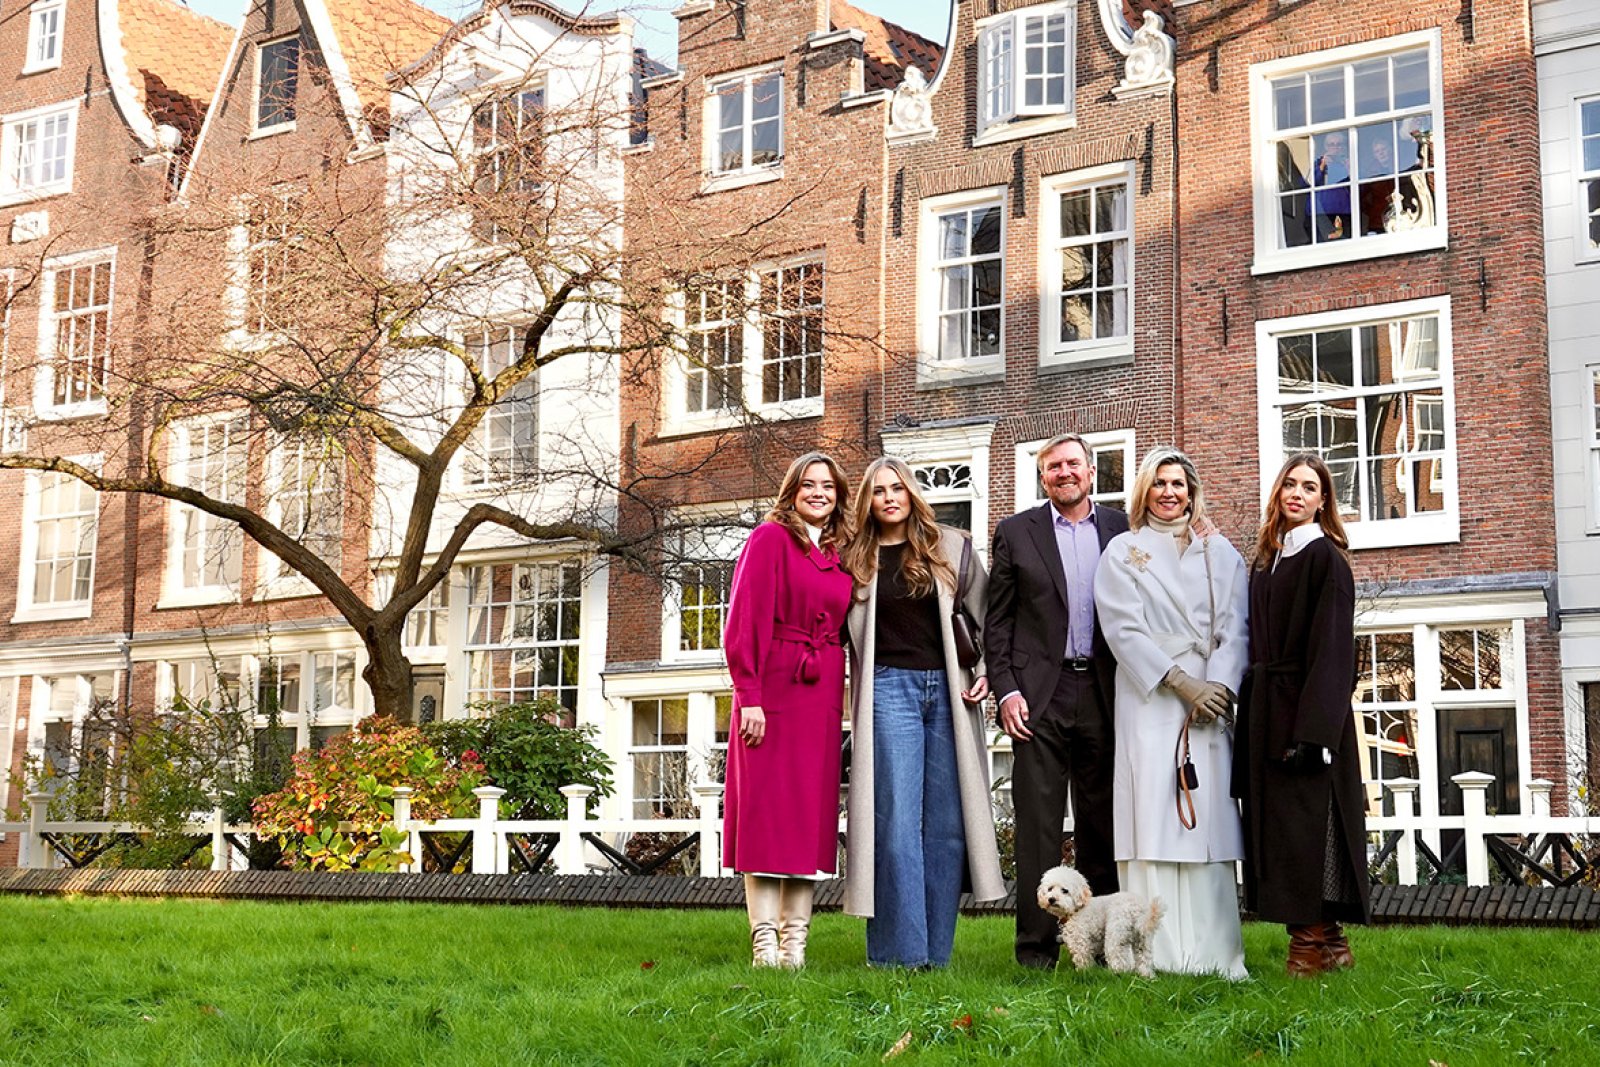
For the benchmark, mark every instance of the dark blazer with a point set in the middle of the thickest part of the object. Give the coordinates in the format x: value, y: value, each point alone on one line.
x: 1025, y: 632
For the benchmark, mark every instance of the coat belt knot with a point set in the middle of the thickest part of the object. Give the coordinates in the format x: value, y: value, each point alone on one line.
x: 807, y: 671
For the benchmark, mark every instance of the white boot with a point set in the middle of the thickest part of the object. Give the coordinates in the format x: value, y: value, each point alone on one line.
x: 763, y: 900
x: 795, y: 924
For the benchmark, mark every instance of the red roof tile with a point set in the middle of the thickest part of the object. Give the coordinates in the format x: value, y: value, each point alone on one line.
x: 174, y: 59
x: 379, y: 36
x: 890, y: 48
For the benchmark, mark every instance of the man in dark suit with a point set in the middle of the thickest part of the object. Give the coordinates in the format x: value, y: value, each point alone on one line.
x: 1055, y: 677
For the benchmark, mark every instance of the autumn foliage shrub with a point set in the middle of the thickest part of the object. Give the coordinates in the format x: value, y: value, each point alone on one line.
x: 336, y: 812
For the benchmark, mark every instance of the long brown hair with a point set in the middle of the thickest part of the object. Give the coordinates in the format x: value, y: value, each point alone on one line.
x: 836, y: 531
x: 923, y: 564
x: 1276, y: 526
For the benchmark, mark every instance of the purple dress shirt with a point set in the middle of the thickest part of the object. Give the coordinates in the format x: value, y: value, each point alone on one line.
x: 1079, y: 545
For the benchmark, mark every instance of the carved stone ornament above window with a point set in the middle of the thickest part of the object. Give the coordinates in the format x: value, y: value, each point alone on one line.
x: 910, y: 110
x: 1150, y: 54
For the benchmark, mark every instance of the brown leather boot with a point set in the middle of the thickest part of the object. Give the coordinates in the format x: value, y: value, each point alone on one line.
x: 1306, y: 959
x: 1335, y: 947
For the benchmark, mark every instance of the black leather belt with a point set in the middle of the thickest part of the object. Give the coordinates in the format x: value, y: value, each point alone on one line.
x: 1077, y: 663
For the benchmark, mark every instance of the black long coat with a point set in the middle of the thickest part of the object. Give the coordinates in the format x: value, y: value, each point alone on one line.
x: 1298, y: 690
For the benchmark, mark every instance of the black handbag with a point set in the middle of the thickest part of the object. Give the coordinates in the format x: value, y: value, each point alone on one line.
x: 962, y: 627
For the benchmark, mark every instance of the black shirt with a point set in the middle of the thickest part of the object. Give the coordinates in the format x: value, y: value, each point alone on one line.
x: 908, y: 634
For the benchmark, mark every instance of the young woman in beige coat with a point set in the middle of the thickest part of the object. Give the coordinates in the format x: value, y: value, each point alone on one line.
x: 920, y: 821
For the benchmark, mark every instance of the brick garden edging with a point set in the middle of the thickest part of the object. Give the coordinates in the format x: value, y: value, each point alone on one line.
x: 1455, y: 905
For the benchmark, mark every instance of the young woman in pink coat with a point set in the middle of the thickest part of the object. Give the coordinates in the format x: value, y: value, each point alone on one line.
x: 787, y: 607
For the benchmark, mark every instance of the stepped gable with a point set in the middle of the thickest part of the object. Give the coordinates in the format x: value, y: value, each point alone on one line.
x: 175, y: 57
x: 890, y: 48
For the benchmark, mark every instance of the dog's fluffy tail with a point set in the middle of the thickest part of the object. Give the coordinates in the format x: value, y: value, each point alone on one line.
x: 1152, y: 917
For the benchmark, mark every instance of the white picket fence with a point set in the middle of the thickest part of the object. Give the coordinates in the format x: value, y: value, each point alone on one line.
x: 491, y: 835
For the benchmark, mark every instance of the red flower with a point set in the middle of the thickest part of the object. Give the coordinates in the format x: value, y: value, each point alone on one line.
x: 469, y: 756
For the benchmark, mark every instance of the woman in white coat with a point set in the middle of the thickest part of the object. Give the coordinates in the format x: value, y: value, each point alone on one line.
x: 1171, y: 595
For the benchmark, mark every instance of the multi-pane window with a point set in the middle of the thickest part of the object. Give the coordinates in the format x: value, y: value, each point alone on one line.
x: 207, y: 681
x: 44, y: 35
x: 272, y: 258
x: 660, y: 755
x: 969, y: 263
x: 1372, y: 399
x: 1594, y: 446
x: 523, y: 624
x: 508, y: 159
x: 703, y: 593
x: 1589, y: 175
x: 277, y: 76
x: 505, y: 444
x: 746, y: 122
x: 1025, y: 63
x: 714, y: 328
x: 1352, y: 149
x: 1472, y: 658
x: 211, y: 458
x: 1386, y: 713
x: 306, y: 498
x: 791, y: 319
x: 425, y: 623
x: 1112, y: 453
x: 63, y: 539
x: 81, y: 314
x: 38, y: 152
x: 1591, y: 751
x: 948, y: 489
x: 1091, y: 279
x: 278, y: 686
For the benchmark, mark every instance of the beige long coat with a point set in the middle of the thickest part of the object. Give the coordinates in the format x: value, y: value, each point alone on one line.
x: 972, y: 760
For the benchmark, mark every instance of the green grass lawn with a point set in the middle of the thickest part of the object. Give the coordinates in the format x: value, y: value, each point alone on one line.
x: 96, y: 981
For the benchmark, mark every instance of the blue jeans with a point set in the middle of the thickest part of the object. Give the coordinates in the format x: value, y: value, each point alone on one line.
x: 921, y: 848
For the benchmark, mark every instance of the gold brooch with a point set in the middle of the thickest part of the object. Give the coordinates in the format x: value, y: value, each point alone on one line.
x: 1138, y: 557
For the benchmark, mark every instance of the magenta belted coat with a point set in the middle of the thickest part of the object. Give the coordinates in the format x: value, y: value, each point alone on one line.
x: 781, y: 809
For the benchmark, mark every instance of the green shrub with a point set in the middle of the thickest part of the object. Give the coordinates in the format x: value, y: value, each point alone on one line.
x: 525, y: 751
x: 336, y: 812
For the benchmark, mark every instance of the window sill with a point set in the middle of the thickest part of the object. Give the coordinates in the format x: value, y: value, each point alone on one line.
x: 285, y: 589
x: 932, y: 374
x: 1396, y: 533
x: 197, y: 598
x: 68, y: 412
x: 1017, y: 129
x: 40, y: 68
x: 54, y: 612
x: 1274, y: 261
x: 721, y: 183
x: 270, y: 131
x: 686, y: 425
x: 42, y: 192
x: 1088, y: 356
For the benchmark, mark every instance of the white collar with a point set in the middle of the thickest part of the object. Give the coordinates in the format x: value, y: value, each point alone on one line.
x: 1298, y: 538
x: 816, y: 534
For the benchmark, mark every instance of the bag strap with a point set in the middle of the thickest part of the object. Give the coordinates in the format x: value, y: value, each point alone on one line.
x: 1184, y: 798
x: 963, y: 577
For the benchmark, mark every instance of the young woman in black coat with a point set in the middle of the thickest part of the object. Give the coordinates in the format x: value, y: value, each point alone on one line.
x: 1297, y: 762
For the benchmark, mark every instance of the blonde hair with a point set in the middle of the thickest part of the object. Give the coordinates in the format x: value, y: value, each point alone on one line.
x: 923, y: 564
x: 836, y: 530
x: 1276, y: 525
x: 1154, y: 460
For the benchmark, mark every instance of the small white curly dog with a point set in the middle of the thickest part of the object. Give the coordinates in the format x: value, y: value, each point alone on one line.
x: 1120, y: 927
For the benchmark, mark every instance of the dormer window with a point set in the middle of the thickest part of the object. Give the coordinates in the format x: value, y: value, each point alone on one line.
x: 277, y: 77
x: 1025, y: 65
x: 44, y: 36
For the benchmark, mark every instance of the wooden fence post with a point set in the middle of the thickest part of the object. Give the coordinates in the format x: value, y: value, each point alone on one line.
x: 412, y: 846
x: 35, y: 853
x: 570, y: 859
x: 1539, y: 800
x: 221, y: 851
x: 488, y: 843
x: 1404, y: 791
x: 1474, y: 807
x: 706, y: 797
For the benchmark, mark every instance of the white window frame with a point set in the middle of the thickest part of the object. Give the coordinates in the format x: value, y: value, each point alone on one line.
x: 13, y: 190
x: 50, y: 324
x: 748, y: 173
x: 276, y: 578
x: 1092, y: 351
x: 183, y: 458
x: 1002, y: 52
x: 718, y: 541
x: 41, y: 715
x: 523, y: 402
x: 1583, y: 178
x: 498, y: 98
x: 931, y: 369
x: 27, y: 609
x: 1028, y: 494
x: 8, y: 725
x: 47, y: 24
x: 1269, y: 257
x: 1592, y: 440
x: 1439, y: 527
x: 256, y: 126
x: 499, y: 638
x: 658, y: 748
x: 749, y: 322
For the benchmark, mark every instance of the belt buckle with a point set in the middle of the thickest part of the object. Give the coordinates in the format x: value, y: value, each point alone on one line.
x: 1078, y: 663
